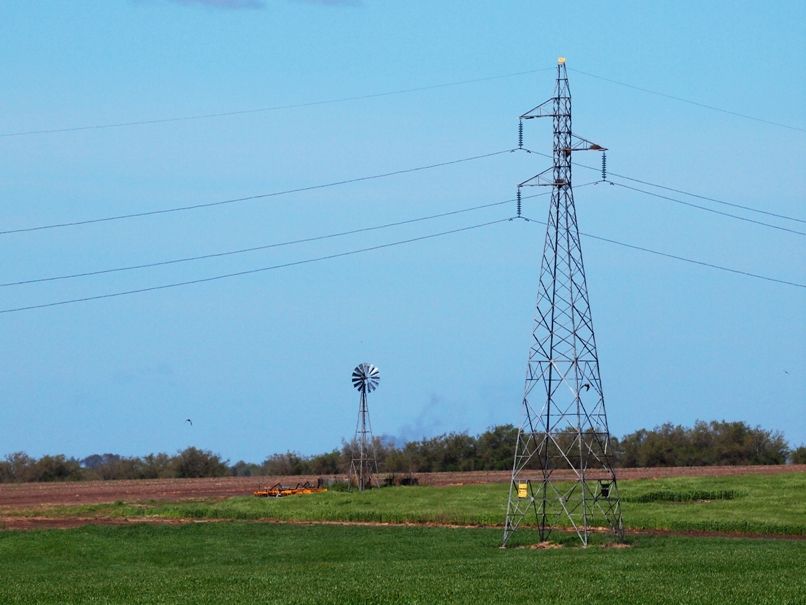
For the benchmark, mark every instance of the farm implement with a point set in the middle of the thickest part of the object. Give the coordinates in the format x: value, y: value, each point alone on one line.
x: 278, y: 490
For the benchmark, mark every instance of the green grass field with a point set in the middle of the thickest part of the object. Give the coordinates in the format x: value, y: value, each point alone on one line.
x: 263, y: 563
x: 238, y: 561
x: 774, y: 504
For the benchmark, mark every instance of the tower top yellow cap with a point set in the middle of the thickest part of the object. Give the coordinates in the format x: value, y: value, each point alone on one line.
x: 560, y: 60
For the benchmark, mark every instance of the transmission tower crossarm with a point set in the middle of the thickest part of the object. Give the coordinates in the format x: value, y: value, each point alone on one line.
x: 580, y: 144
x: 542, y: 179
x: 544, y: 110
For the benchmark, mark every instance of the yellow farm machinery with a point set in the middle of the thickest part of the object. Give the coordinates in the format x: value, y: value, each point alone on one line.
x: 278, y: 490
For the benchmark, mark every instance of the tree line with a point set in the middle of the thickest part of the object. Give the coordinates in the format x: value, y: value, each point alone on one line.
x: 704, y: 444
x: 191, y: 462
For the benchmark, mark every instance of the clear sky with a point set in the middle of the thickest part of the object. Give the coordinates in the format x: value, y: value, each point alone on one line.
x: 262, y: 362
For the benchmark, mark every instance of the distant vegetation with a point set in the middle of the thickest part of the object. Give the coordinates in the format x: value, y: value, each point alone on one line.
x: 704, y: 444
x: 191, y: 462
x: 799, y: 455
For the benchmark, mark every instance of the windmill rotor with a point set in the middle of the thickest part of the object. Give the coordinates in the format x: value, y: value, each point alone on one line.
x: 366, y: 377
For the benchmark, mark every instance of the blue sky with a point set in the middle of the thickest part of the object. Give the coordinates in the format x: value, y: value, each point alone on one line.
x: 261, y: 363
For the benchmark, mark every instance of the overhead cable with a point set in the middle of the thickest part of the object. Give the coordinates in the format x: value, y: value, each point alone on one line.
x: 131, y: 215
x: 702, y: 197
x: 683, y: 258
x: 689, y: 101
x: 222, y: 114
x: 250, y: 271
x: 388, y: 245
x: 706, y: 209
x: 681, y: 191
x: 262, y: 247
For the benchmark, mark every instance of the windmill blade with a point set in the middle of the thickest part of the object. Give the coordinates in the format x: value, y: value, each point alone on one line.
x: 365, y: 377
x: 359, y: 379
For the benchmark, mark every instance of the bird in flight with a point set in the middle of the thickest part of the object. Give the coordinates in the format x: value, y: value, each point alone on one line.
x: 587, y: 387
x: 189, y: 421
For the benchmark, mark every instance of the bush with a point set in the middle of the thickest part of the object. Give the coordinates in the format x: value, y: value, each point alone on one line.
x: 289, y: 463
x: 706, y: 443
x: 798, y: 456
x: 244, y: 469
x: 158, y: 466
x: 330, y: 463
x: 112, y: 466
x: 56, y: 468
x: 17, y: 467
x: 193, y: 462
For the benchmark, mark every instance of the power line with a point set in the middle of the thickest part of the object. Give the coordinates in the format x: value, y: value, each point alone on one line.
x: 681, y: 191
x: 121, y: 217
x: 264, y: 246
x: 702, y: 197
x: 695, y: 261
x: 251, y: 271
x: 388, y: 245
x: 719, y: 212
x: 683, y: 258
x: 689, y: 101
x: 206, y: 116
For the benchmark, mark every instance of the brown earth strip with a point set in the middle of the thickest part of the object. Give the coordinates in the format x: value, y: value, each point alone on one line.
x: 28, y: 523
x: 32, y: 523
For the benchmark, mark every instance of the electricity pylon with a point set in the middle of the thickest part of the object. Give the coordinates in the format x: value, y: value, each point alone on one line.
x: 562, y: 471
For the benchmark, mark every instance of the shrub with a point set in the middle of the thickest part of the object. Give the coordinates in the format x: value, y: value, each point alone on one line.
x: 193, y: 462
x: 798, y: 456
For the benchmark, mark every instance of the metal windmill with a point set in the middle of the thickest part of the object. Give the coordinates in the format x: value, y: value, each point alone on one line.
x: 562, y: 471
x: 364, y: 468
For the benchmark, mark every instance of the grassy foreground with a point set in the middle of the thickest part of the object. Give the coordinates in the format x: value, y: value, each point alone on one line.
x: 260, y: 563
x: 770, y: 504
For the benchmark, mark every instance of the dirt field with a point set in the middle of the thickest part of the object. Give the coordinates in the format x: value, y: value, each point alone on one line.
x: 28, y: 495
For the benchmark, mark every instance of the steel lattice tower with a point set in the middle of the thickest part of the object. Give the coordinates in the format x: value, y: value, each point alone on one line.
x: 562, y: 470
x: 363, y: 466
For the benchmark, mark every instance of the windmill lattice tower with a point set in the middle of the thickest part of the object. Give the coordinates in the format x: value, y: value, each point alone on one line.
x: 562, y: 471
x: 364, y: 467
